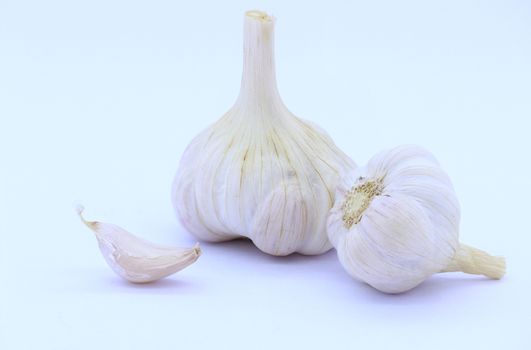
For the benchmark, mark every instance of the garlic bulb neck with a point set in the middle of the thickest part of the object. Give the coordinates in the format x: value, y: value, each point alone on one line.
x: 476, y: 262
x: 259, y: 86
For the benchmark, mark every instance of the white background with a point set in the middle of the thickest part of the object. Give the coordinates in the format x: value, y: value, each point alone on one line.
x: 98, y: 100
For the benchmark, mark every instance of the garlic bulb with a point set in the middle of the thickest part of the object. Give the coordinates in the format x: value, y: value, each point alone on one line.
x: 135, y: 259
x: 395, y: 222
x: 260, y: 172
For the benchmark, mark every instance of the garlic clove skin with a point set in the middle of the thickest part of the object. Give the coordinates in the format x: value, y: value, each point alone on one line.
x: 395, y: 222
x: 260, y: 172
x: 136, y: 259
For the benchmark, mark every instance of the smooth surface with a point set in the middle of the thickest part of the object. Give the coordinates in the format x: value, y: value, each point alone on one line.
x: 99, y: 99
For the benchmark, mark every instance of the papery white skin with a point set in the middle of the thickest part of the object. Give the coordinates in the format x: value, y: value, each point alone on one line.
x: 410, y: 230
x: 260, y: 172
x: 136, y: 259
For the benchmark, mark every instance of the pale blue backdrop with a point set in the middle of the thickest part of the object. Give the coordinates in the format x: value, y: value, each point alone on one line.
x: 98, y: 100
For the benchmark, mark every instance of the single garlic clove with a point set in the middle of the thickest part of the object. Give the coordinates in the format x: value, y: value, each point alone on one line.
x: 136, y: 259
x: 259, y: 171
x: 395, y: 222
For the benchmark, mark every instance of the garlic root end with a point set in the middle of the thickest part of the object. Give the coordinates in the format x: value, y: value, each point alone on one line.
x: 197, y: 250
x: 477, y: 262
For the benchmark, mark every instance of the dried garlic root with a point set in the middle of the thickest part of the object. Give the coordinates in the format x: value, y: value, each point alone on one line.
x: 136, y: 259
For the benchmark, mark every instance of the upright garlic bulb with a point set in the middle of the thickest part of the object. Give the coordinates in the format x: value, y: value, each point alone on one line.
x: 259, y: 171
x: 395, y: 222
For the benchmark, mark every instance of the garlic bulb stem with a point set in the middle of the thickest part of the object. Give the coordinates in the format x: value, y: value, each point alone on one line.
x: 259, y: 85
x: 477, y: 262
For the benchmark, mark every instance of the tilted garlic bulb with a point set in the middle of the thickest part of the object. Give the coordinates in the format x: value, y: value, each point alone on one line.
x: 395, y: 222
x: 135, y: 259
x: 260, y: 172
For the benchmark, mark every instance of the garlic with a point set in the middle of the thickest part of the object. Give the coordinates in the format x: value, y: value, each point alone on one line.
x: 395, y: 222
x: 135, y: 259
x: 260, y: 172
